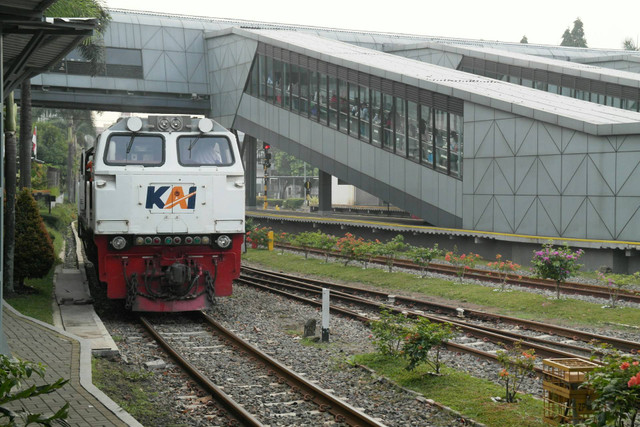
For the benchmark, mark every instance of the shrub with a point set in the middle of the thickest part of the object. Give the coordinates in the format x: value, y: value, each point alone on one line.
x: 503, y: 268
x: 259, y: 236
x: 425, y: 337
x: 293, y: 204
x: 389, y: 332
x: 516, y: 365
x: 391, y: 249
x: 616, y: 384
x: 616, y: 282
x: 12, y: 373
x: 423, y: 256
x: 34, y: 254
x: 556, y: 264
x: 462, y: 262
x: 347, y: 247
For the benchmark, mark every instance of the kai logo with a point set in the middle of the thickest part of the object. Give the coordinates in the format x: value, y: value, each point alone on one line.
x: 167, y: 197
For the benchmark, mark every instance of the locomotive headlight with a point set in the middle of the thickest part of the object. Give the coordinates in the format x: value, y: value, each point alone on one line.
x: 118, y: 243
x: 223, y: 241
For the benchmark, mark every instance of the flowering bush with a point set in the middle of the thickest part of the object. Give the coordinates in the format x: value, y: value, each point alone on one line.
x: 347, y: 246
x: 503, y: 268
x: 366, y: 250
x: 391, y: 249
x: 259, y: 236
x: 616, y: 384
x: 316, y: 240
x: 516, y: 365
x: 283, y: 239
x: 397, y: 335
x: 423, y: 256
x: 556, y: 264
x: 616, y: 282
x: 462, y: 262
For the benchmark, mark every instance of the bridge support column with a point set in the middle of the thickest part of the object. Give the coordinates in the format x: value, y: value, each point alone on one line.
x: 324, y: 192
x: 250, y: 159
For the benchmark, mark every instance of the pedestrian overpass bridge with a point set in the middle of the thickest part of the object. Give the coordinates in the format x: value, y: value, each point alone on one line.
x: 394, y: 116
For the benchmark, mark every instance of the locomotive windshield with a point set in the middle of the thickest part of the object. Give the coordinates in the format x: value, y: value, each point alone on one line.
x: 198, y: 150
x: 132, y: 149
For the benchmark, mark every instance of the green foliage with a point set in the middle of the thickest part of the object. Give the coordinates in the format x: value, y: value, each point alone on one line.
x: 389, y: 331
x: 616, y: 384
x: 259, y: 236
x: 462, y: 262
x: 630, y: 44
x: 575, y: 37
x: 308, y: 240
x: 292, y: 204
x: 616, y: 282
x: 347, y: 247
x: 524, y: 40
x: 397, y: 335
x: 13, y: 373
x: 288, y: 165
x: 34, y: 254
x: 556, y: 264
x: 516, y: 366
x: 52, y: 144
x: 391, y: 249
x: 503, y: 268
x: 425, y: 337
x: 423, y: 256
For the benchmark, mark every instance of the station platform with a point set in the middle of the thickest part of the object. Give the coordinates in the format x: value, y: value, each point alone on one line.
x: 65, y: 349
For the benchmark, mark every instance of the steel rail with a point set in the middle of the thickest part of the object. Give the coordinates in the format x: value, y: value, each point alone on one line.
x: 621, y: 344
x: 342, y: 411
x: 487, y: 334
x: 239, y: 414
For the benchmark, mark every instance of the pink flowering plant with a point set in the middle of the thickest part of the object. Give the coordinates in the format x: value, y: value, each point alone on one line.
x: 503, y: 268
x: 259, y: 236
x: 556, y: 264
x: 347, y: 246
x: 516, y: 366
x: 616, y: 384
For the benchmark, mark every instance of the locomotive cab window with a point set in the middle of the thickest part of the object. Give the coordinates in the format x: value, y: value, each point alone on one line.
x: 131, y: 149
x: 198, y: 150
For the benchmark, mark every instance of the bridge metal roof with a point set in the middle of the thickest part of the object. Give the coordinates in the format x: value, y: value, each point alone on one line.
x: 556, y: 109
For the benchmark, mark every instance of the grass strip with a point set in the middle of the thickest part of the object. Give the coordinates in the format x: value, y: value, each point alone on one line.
x: 460, y: 391
x: 527, y: 305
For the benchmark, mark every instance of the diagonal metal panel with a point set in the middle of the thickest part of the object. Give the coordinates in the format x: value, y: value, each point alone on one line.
x: 526, y: 137
x: 600, y: 218
x: 627, y: 173
x: 627, y: 217
x: 485, y: 145
x: 504, y: 175
x: 526, y: 178
x: 549, y: 139
x: 483, y: 176
x: 574, y: 216
x: 505, y: 214
x: 483, y: 212
x: 505, y: 136
x: 525, y: 214
x: 548, y: 218
x: 601, y: 173
x: 574, y: 174
x: 549, y: 178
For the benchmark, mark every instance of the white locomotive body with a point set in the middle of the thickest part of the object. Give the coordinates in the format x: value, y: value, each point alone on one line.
x: 161, y: 210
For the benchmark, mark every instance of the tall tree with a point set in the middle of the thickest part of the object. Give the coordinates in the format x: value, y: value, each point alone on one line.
x: 10, y: 194
x: 25, y: 134
x: 629, y: 44
x: 575, y: 37
x: 524, y: 40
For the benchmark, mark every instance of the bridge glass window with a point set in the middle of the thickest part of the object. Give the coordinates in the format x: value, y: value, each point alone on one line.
x: 333, y: 102
x: 426, y: 135
x: 354, y: 110
x: 262, y: 77
x: 270, y: 79
x: 387, y: 121
x: 278, y: 76
x: 323, y: 97
x: 365, y: 114
x: 294, y: 87
x: 304, y: 90
x: 343, y: 106
x: 413, y: 151
x: 197, y: 150
x: 441, y: 140
x: 376, y: 118
x: 128, y: 149
x: 456, y: 140
x: 401, y: 126
x: 314, y: 95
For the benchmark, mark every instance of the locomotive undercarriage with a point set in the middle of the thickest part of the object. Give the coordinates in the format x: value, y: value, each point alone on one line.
x: 170, y: 280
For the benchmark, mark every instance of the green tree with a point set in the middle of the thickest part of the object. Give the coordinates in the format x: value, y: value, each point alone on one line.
x: 52, y: 144
x: 34, y: 255
x: 524, y: 40
x: 288, y: 165
x: 629, y: 44
x: 575, y: 37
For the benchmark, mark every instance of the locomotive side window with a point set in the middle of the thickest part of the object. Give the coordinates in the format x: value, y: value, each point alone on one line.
x: 197, y: 150
x: 146, y: 150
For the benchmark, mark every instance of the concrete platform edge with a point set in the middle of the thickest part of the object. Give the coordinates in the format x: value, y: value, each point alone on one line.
x: 85, y: 369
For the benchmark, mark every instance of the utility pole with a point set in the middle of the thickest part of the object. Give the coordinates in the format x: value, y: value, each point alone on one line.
x: 266, y: 164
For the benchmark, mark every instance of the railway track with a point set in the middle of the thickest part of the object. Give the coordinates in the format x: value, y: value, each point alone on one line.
x: 568, y: 288
x: 256, y: 390
x: 484, y: 329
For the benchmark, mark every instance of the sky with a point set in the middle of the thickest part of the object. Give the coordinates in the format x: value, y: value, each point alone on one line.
x: 606, y: 24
